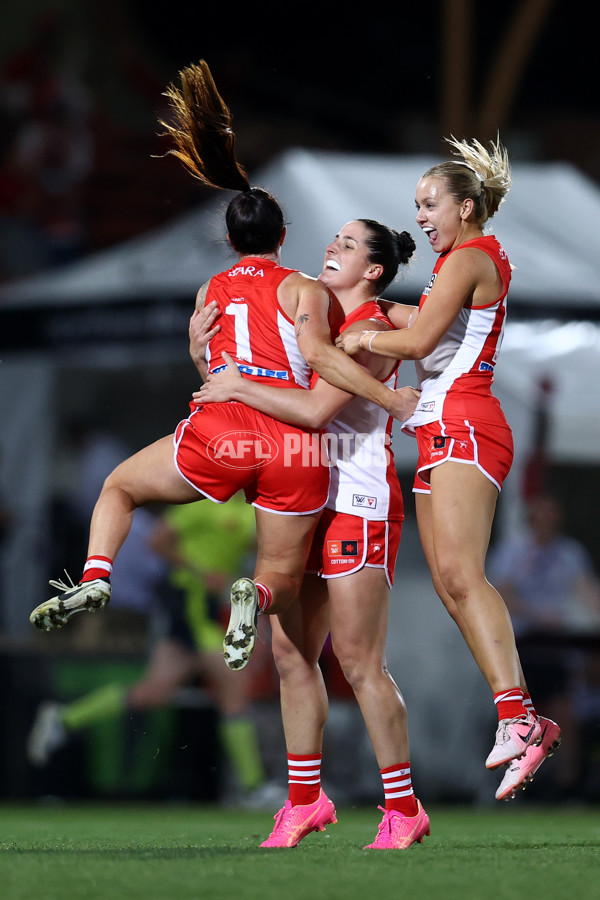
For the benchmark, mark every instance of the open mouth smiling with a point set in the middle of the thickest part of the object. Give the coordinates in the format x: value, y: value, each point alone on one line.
x: 431, y: 233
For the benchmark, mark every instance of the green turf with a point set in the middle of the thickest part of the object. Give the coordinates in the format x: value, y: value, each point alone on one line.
x: 74, y: 852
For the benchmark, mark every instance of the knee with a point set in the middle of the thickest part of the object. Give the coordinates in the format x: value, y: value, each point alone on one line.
x: 441, y: 590
x: 453, y: 583
x: 355, y: 668
x: 289, y: 661
x: 114, y: 483
x: 446, y: 598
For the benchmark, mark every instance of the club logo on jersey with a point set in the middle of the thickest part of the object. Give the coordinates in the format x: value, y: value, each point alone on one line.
x: 242, y: 449
x: 430, y: 285
x: 364, y: 502
x: 342, y: 548
x: 437, y: 445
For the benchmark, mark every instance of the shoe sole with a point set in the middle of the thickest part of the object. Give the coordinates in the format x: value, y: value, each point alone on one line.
x: 417, y: 840
x: 240, y: 637
x: 509, y: 759
x: 55, y: 613
x: 511, y: 793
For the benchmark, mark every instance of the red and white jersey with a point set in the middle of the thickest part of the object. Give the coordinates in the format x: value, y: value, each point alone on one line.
x: 255, y: 330
x: 456, y: 378
x: 363, y: 477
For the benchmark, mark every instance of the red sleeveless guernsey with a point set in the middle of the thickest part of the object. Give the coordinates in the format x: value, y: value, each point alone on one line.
x: 255, y: 330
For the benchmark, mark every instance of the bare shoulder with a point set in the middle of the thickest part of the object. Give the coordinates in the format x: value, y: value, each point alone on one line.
x: 472, y: 273
x: 297, y: 285
x: 472, y: 259
x: 301, y: 280
x: 201, y: 295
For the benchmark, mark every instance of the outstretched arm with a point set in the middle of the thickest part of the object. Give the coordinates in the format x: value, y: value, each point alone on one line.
x: 296, y: 406
x: 456, y: 285
x: 401, y: 315
x: 314, y: 340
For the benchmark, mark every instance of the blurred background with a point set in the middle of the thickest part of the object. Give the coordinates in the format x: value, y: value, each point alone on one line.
x: 103, y: 244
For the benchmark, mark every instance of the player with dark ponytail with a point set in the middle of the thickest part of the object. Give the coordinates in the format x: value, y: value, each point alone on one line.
x: 276, y: 323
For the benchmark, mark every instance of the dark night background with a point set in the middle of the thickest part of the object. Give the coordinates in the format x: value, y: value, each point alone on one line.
x: 81, y: 85
x: 297, y: 75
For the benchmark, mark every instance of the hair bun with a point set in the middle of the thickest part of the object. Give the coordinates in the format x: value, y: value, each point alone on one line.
x: 406, y: 245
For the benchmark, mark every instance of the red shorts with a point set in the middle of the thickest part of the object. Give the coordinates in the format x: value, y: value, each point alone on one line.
x: 226, y: 447
x: 489, y: 447
x: 343, y: 544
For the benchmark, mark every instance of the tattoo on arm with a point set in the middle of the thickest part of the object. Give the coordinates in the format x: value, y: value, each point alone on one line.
x: 201, y: 296
x: 302, y: 319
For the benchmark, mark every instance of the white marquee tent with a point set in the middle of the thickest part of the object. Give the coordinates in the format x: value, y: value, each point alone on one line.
x: 546, y: 226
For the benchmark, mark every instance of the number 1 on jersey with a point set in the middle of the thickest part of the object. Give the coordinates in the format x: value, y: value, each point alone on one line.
x: 239, y: 311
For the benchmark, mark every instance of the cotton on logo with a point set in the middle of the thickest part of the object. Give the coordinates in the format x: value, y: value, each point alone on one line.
x: 242, y: 449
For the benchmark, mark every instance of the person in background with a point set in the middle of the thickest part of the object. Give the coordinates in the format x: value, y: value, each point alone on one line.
x: 550, y: 587
x: 186, y: 632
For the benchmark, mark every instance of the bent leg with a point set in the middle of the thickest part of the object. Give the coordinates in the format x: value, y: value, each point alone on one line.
x: 455, y: 541
x: 283, y: 545
x: 149, y: 476
x: 423, y: 508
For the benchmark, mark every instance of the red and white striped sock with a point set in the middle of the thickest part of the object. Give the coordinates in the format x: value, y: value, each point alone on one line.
x: 97, y: 567
x: 528, y: 704
x: 265, y: 597
x: 304, y: 778
x: 398, y: 789
x: 510, y: 704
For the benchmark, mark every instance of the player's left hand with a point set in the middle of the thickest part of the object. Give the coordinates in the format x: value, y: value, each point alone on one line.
x: 349, y: 342
x: 202, y: 328
x: 219, y: 388
x: 404, y: 403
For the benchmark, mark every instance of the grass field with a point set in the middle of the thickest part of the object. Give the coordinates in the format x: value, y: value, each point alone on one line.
x: 169, y: 852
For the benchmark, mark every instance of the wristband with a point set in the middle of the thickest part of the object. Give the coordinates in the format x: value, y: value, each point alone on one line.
x: 360, y: 344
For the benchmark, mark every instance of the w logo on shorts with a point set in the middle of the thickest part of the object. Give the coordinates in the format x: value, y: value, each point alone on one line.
x: 342, y: 548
